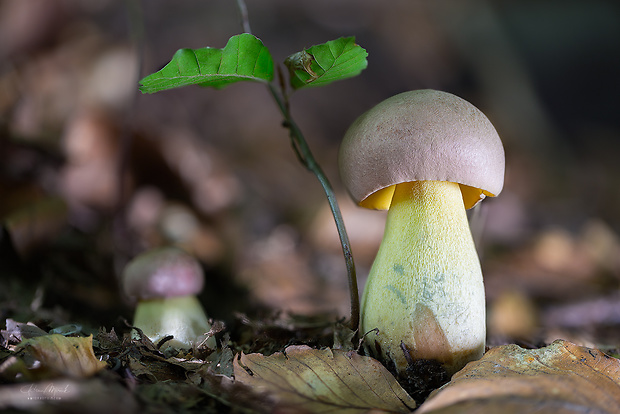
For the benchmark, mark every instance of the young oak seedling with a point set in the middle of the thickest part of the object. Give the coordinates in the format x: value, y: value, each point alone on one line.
x: 245, y: 58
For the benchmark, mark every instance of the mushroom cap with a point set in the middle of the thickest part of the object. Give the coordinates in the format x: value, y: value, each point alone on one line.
x: 162, y: 273
x: 421, y: 135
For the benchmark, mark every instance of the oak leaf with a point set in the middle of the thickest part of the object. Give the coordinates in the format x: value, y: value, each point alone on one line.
x: 57, y: 355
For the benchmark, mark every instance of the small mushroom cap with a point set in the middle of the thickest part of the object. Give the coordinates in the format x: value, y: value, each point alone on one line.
x: 162, y: 273
x: 421, y: 135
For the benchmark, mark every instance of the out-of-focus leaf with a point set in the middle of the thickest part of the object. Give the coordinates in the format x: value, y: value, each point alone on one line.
x: 140, y: 369
x: 244, y: 58
x: 325, y: 63
x: 220, y: 362
x: 321, y: 381
x: 56, y: 355
x: 18, y: 331
x: 562, y: 378
x: 343, y: 338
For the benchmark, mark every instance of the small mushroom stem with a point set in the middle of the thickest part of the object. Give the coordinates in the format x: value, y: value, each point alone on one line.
x: 425, y: 292
x: 181, y: 316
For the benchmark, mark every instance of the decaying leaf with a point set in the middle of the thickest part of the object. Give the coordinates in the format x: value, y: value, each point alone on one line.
x: 57, y: 355
x: 562, y: 378
x: 301, y: 61
x: 141, y: 370
x: 18, y: 331
x: 320, y: 381
x: 220, y: 362
x: 343, y: 338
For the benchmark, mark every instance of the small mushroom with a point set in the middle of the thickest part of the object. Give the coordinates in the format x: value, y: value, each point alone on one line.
x: 426, y: 156
x: 165, y: 281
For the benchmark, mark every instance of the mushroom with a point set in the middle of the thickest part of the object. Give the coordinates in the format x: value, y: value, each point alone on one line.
x: 165, y: 281
x: 426, y: 156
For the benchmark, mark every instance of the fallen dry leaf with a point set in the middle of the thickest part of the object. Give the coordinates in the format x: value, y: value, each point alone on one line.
x: 319, y: 381
x: 57, y: 355
x: 18, y: 331
x: 562, y: 378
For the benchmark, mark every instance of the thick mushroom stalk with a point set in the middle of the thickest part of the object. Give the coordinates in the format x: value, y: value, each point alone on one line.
x: 180, y: 317
x: 425, y: 291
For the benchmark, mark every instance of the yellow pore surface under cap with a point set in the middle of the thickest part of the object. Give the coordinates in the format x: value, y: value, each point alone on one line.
x: 425, y: 292
x: 382, y: 199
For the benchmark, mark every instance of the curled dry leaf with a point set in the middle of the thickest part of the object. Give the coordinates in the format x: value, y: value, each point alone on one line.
x: 57, y: 355
x: 18, y: 331
x: 562, y: 378
x: 320, y: 381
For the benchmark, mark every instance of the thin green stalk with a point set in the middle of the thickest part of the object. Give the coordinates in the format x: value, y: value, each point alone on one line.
x: 243, y: 12
x: 305, y: 154
x: 307, y: 159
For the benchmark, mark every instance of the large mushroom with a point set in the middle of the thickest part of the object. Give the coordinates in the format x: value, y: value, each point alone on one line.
x: 165, y: 281
x: 427, y: 156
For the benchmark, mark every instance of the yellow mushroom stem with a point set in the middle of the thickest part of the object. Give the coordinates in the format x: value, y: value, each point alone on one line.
x: 425, y: 293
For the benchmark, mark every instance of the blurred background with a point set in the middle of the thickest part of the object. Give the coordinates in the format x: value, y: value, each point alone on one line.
x: 92, y: 172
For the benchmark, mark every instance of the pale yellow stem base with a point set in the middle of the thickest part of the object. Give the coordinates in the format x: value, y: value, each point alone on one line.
x: 425, y: 292
x: 181, y: 317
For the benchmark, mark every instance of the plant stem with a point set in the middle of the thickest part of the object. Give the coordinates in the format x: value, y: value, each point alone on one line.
x: 243, y: 11
x: 305, y: 156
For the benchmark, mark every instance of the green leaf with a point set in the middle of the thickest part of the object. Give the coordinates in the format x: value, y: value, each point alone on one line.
x: 326, y: 63
x: 244, y: 58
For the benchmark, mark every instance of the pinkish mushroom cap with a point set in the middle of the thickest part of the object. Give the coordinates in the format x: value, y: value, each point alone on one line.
x: 417, y: 136
x: 162, y: 273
